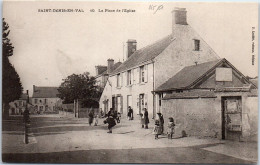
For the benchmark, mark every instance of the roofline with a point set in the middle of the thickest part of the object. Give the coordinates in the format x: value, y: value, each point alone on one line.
x: 201, y: 77
x: 136, y: 66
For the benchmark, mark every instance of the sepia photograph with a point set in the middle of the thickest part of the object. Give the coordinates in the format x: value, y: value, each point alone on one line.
x: 129, y: 82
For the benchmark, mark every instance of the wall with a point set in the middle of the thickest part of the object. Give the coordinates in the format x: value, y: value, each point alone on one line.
x: 180, y: 53
x: 51, y: 102
x: 197, y: 117
x: 202, y: 117
x: 134, y: 90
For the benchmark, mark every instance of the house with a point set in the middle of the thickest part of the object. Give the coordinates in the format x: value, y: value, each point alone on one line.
x: 210, y: 99
x: 144, y: 70
x: 45, y: 99
x: 17, y: 107
x: 102, y: 72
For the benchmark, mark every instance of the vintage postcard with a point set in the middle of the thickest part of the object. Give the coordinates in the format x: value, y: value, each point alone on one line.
x: 129, y: 82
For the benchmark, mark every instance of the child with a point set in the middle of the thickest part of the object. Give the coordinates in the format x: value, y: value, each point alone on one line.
x: 156, y: 130
x: 171, y: 126
x: 96, y: 120
x: 111, y: 123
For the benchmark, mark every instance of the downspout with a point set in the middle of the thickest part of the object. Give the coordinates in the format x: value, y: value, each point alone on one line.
x: 153, y: 92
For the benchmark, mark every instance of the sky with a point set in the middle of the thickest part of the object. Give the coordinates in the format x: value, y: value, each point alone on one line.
x: 49, y: 46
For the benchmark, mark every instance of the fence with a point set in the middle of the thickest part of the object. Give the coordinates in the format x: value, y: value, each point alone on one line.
x: 83, y: 112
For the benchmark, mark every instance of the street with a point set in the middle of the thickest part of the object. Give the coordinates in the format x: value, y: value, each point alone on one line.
x: 61, y: 139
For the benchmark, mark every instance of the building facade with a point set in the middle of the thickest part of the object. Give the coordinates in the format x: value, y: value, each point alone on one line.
x: 45, y: 99
x: 102, y: 73
x: 133, y: 82
x: 17, y: 107
x: 210, y: 99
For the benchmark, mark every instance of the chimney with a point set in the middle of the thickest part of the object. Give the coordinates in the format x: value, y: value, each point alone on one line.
x: 97, y: 68
x: 131, y: 47
x: 179, y: 16
x: 110, y: 64
x: 33, y: 88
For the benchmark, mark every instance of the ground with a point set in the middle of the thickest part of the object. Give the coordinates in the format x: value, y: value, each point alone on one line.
x: 64, y: 139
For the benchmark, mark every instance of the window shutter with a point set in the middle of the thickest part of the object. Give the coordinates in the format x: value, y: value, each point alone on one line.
x: 137, y: 101
x: 121, y: 84
x: 132, y: 76
x: 139, y: 74
x: 126, y: 78
x: 121, y: 110
x: 146, y: 73
x: 145, y: 101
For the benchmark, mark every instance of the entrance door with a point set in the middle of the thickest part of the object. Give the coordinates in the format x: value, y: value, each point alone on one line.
x: 129, y: 101
x: 113, y: 103
x: 231, y: 118
x: 141, y: 102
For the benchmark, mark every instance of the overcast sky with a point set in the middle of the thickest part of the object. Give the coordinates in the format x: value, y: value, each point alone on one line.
x: 49, y: 46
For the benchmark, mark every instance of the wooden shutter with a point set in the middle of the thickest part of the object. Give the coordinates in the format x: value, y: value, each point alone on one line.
x: 137, y: 101
x: 132, y: 76
x: 126, y: 78
x: 145, y: 101
x: 139, y: 75
x: 121, y: 110
x: 121, y: 84
x: 146, y: 73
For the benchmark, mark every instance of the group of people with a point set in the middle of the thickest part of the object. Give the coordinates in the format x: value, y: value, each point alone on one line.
x: 113, y: 116
x: 159, y: 126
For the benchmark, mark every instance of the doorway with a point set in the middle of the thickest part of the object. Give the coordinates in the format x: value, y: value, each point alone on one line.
x: 231, y: 117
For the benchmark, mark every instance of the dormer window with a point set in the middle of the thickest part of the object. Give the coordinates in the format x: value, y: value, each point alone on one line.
x: 196, y: 45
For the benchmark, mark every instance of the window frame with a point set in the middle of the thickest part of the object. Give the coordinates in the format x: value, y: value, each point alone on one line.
x: 196, y: 45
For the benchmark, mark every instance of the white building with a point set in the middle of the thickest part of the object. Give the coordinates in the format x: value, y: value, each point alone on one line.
x: 133, y: 82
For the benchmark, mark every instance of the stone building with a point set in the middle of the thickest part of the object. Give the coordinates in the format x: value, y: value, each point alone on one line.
x: 210, y: 99
x: 17, y: 107
x: 144, y: 70
x: 45, y: 99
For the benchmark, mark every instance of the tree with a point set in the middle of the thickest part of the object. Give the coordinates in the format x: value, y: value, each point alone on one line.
x: 11, y: 84
x: 79, y: 87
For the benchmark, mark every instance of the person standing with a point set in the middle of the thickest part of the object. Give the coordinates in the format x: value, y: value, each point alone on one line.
x: 146, y: 118
x: 170, y: 129
x: 90, y: 117
x: 129, y: 113
x: 156, y: 129
x: 161, y: 122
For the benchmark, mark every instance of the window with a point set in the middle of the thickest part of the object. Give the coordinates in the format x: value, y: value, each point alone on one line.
x: 118, y: 80
x: 45, y: 101
x: 20, y: 103
x: 196, y: 45
x: 160, y: 99
x: 129, y: 77
x: 35, y: 101
x: 142, y: 74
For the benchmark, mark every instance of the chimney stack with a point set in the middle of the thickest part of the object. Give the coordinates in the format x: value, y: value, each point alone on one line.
x: 179, y: 16
x: 110, y: 64
x: 131, y: 47
x: 33, y: 88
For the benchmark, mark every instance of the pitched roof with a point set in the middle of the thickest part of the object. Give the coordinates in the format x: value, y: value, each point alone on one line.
x: 145, y: 54
x: 187, y: 76
x: 45, y: 92
x: 190, y: 95
x: 101, y: 69
x: 23, y: 96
